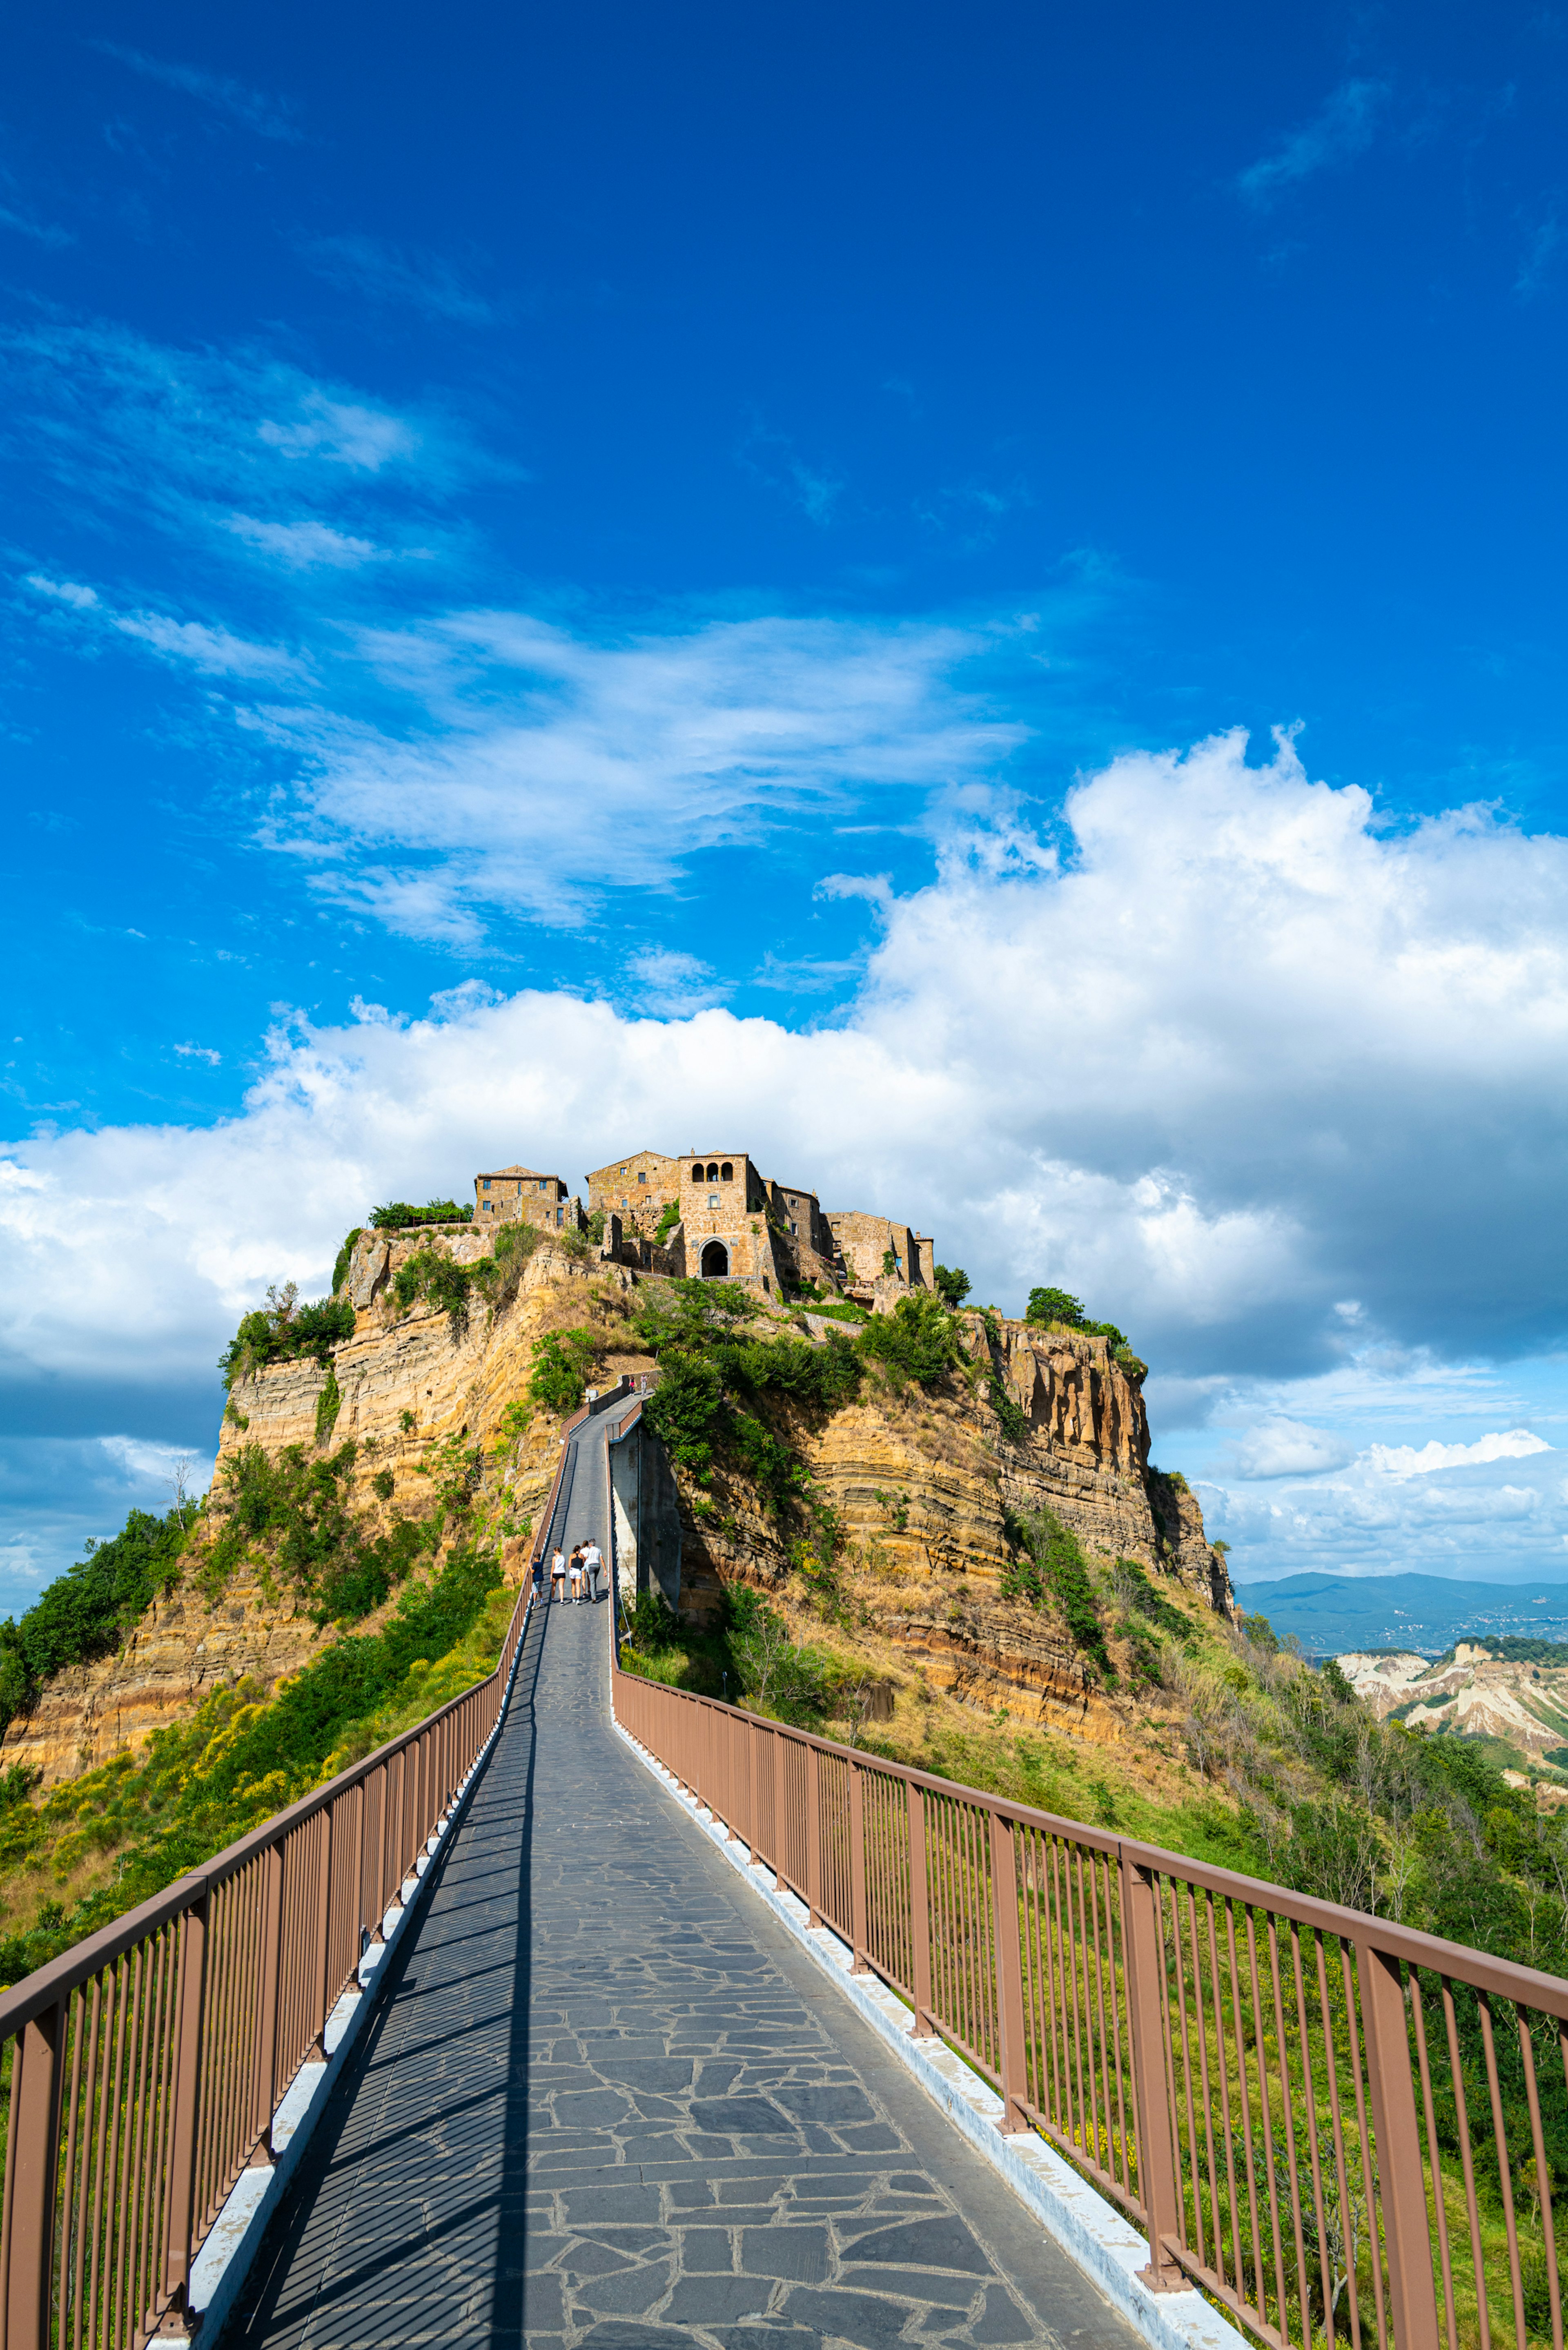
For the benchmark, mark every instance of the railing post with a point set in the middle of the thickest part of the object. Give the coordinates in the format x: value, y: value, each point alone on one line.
x: 271, y: 1987
x: 920, y: 1916
x: 187, y: 2085
x: 780, y: 1758
x: 1401, y: 2177
x: 1010, y: 2064
x: 1158, y: 2188
x: 378, y: 1846
x: 37, y: 2056
x: 813, y: 1839
x: 324, y: 1945
x: 858, y: 1965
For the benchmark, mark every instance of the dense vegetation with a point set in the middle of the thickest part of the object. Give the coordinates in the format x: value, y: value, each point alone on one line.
x: 953, y: 1285
x: 298, y: 1514
x: 1059, y: 1305
x: 236, y: 1760
x: 397, y: 1215
x: 283, y: 1330
x: 86, y: 1611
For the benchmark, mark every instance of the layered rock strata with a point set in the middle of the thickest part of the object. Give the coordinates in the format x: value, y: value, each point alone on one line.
x: 925, y: 1489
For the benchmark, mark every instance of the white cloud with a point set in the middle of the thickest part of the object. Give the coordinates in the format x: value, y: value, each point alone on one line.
x: 1242, y: 1057
x: 664, y: 981
x: 305, y: 546
x: 214, y: 651
x: 1288, y: 1447
x: 65, y: 591
x: 1410, y: 1460
x: 678, y: 742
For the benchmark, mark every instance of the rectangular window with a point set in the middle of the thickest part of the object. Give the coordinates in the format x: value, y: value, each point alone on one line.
x: 640, y: 1176
x: 794, y: 1228
x: 487, y: 1182
x: 560, y: 1215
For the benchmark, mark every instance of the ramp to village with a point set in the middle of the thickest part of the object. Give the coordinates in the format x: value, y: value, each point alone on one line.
x: 606, y: 2100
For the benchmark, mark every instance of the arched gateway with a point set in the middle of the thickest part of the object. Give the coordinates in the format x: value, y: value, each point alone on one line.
x: 715, y: 1261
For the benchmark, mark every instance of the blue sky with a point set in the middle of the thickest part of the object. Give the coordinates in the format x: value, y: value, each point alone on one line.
x: 975, y: 593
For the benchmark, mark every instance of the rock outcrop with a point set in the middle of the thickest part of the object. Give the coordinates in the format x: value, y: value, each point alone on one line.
x: 922, y: 1491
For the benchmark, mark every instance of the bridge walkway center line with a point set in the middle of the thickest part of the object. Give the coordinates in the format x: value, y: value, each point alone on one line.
x: 608, y: 2101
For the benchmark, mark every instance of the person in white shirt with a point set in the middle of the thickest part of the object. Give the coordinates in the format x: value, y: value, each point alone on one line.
x: 558, y: 1575
x: 593, y: 1560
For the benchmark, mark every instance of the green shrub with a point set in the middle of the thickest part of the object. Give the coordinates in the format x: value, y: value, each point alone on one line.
x: 953, y: 1285
x: 397, y: 1215
x: 382, y: 1484
x: 562, y: 1361
x: 328, y: 1403
x: 440, y: 1282
x: 1061, y: 1305
x: 718, y: 1384
x: 283, y: 1330
x: 919, y: 1340
x: 300, y: 1513
x: 1053, y: 1568
x: 669, y: 1216
x: 596, y: 1226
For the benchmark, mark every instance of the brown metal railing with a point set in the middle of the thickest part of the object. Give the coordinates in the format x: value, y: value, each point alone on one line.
x: 145, y: 2063
x: 1342, y: 2130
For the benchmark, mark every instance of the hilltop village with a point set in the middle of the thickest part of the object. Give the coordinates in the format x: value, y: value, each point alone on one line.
x: 713, y: 1215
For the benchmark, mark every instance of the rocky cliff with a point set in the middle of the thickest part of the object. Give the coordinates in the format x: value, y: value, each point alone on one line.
x: 923, y: 1490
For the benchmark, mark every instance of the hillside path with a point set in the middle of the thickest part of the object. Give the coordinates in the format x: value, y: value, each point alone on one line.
x: 606, y: 2101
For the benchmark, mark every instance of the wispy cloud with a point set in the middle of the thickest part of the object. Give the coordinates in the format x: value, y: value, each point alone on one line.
x: 41, y: 232
x: 671, y: 984
x: 192, y: 439
x: 305, y: 546
x: 400, y: 276
x: 1542, y: 249
x: 200, y: 1053
x: 772, y: 458
x: 468, y: 791
x: 1342, y: 128
x: 269, y: 118
x: 212, y: 650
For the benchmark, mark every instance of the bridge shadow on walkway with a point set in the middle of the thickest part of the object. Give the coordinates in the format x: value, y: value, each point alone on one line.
x: 607, y: 2101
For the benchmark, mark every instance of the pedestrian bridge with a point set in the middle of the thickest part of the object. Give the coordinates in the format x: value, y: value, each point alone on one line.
x: 594, y: 2013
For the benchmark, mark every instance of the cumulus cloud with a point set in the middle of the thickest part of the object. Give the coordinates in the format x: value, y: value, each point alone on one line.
x: 1288, y: 1448
x: 1419, y: 1461
x: 1242, y: 1056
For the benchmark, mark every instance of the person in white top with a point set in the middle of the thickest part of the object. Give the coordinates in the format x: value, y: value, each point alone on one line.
x: 593, y: 1560
x: 558, y: 1575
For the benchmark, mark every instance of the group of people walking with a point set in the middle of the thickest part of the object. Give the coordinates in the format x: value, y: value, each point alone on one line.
x: 582, y: 1569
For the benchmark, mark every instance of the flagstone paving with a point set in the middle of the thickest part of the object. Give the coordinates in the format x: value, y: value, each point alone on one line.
x: 607, y: 2101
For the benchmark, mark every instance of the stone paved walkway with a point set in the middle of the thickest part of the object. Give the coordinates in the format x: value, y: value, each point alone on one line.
x: 607, y: 2101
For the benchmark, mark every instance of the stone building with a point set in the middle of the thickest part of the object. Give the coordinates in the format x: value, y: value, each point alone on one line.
x: 874, y: 1250
x: 636, y: 1189
x: 732, y: 1223
x: 521, y: 1195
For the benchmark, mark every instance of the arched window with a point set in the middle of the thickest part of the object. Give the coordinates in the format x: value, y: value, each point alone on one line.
x: 697, y: 1174
x: 713, y: 1171
x: 727, y: 1171
x: 715, y: 1261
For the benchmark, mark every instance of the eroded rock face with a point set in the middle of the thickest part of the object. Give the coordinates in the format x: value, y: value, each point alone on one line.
x: 924, y: 1485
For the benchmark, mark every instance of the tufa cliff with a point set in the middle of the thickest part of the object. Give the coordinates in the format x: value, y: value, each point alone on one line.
x: 420, y: 1429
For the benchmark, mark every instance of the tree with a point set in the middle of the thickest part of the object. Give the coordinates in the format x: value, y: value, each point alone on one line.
x: 953, y: 1285
x: 1055, y: 1306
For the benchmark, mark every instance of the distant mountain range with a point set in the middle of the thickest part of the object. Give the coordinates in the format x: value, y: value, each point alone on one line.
x: 1424, y: 1613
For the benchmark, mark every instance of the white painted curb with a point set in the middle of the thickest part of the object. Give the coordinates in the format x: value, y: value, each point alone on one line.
x: 232, y: 2243
x: 1089, y: 2229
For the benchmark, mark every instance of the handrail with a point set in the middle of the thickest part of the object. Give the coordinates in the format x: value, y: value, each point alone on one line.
x: 145, y: 2063
x: 1325, y: 2119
